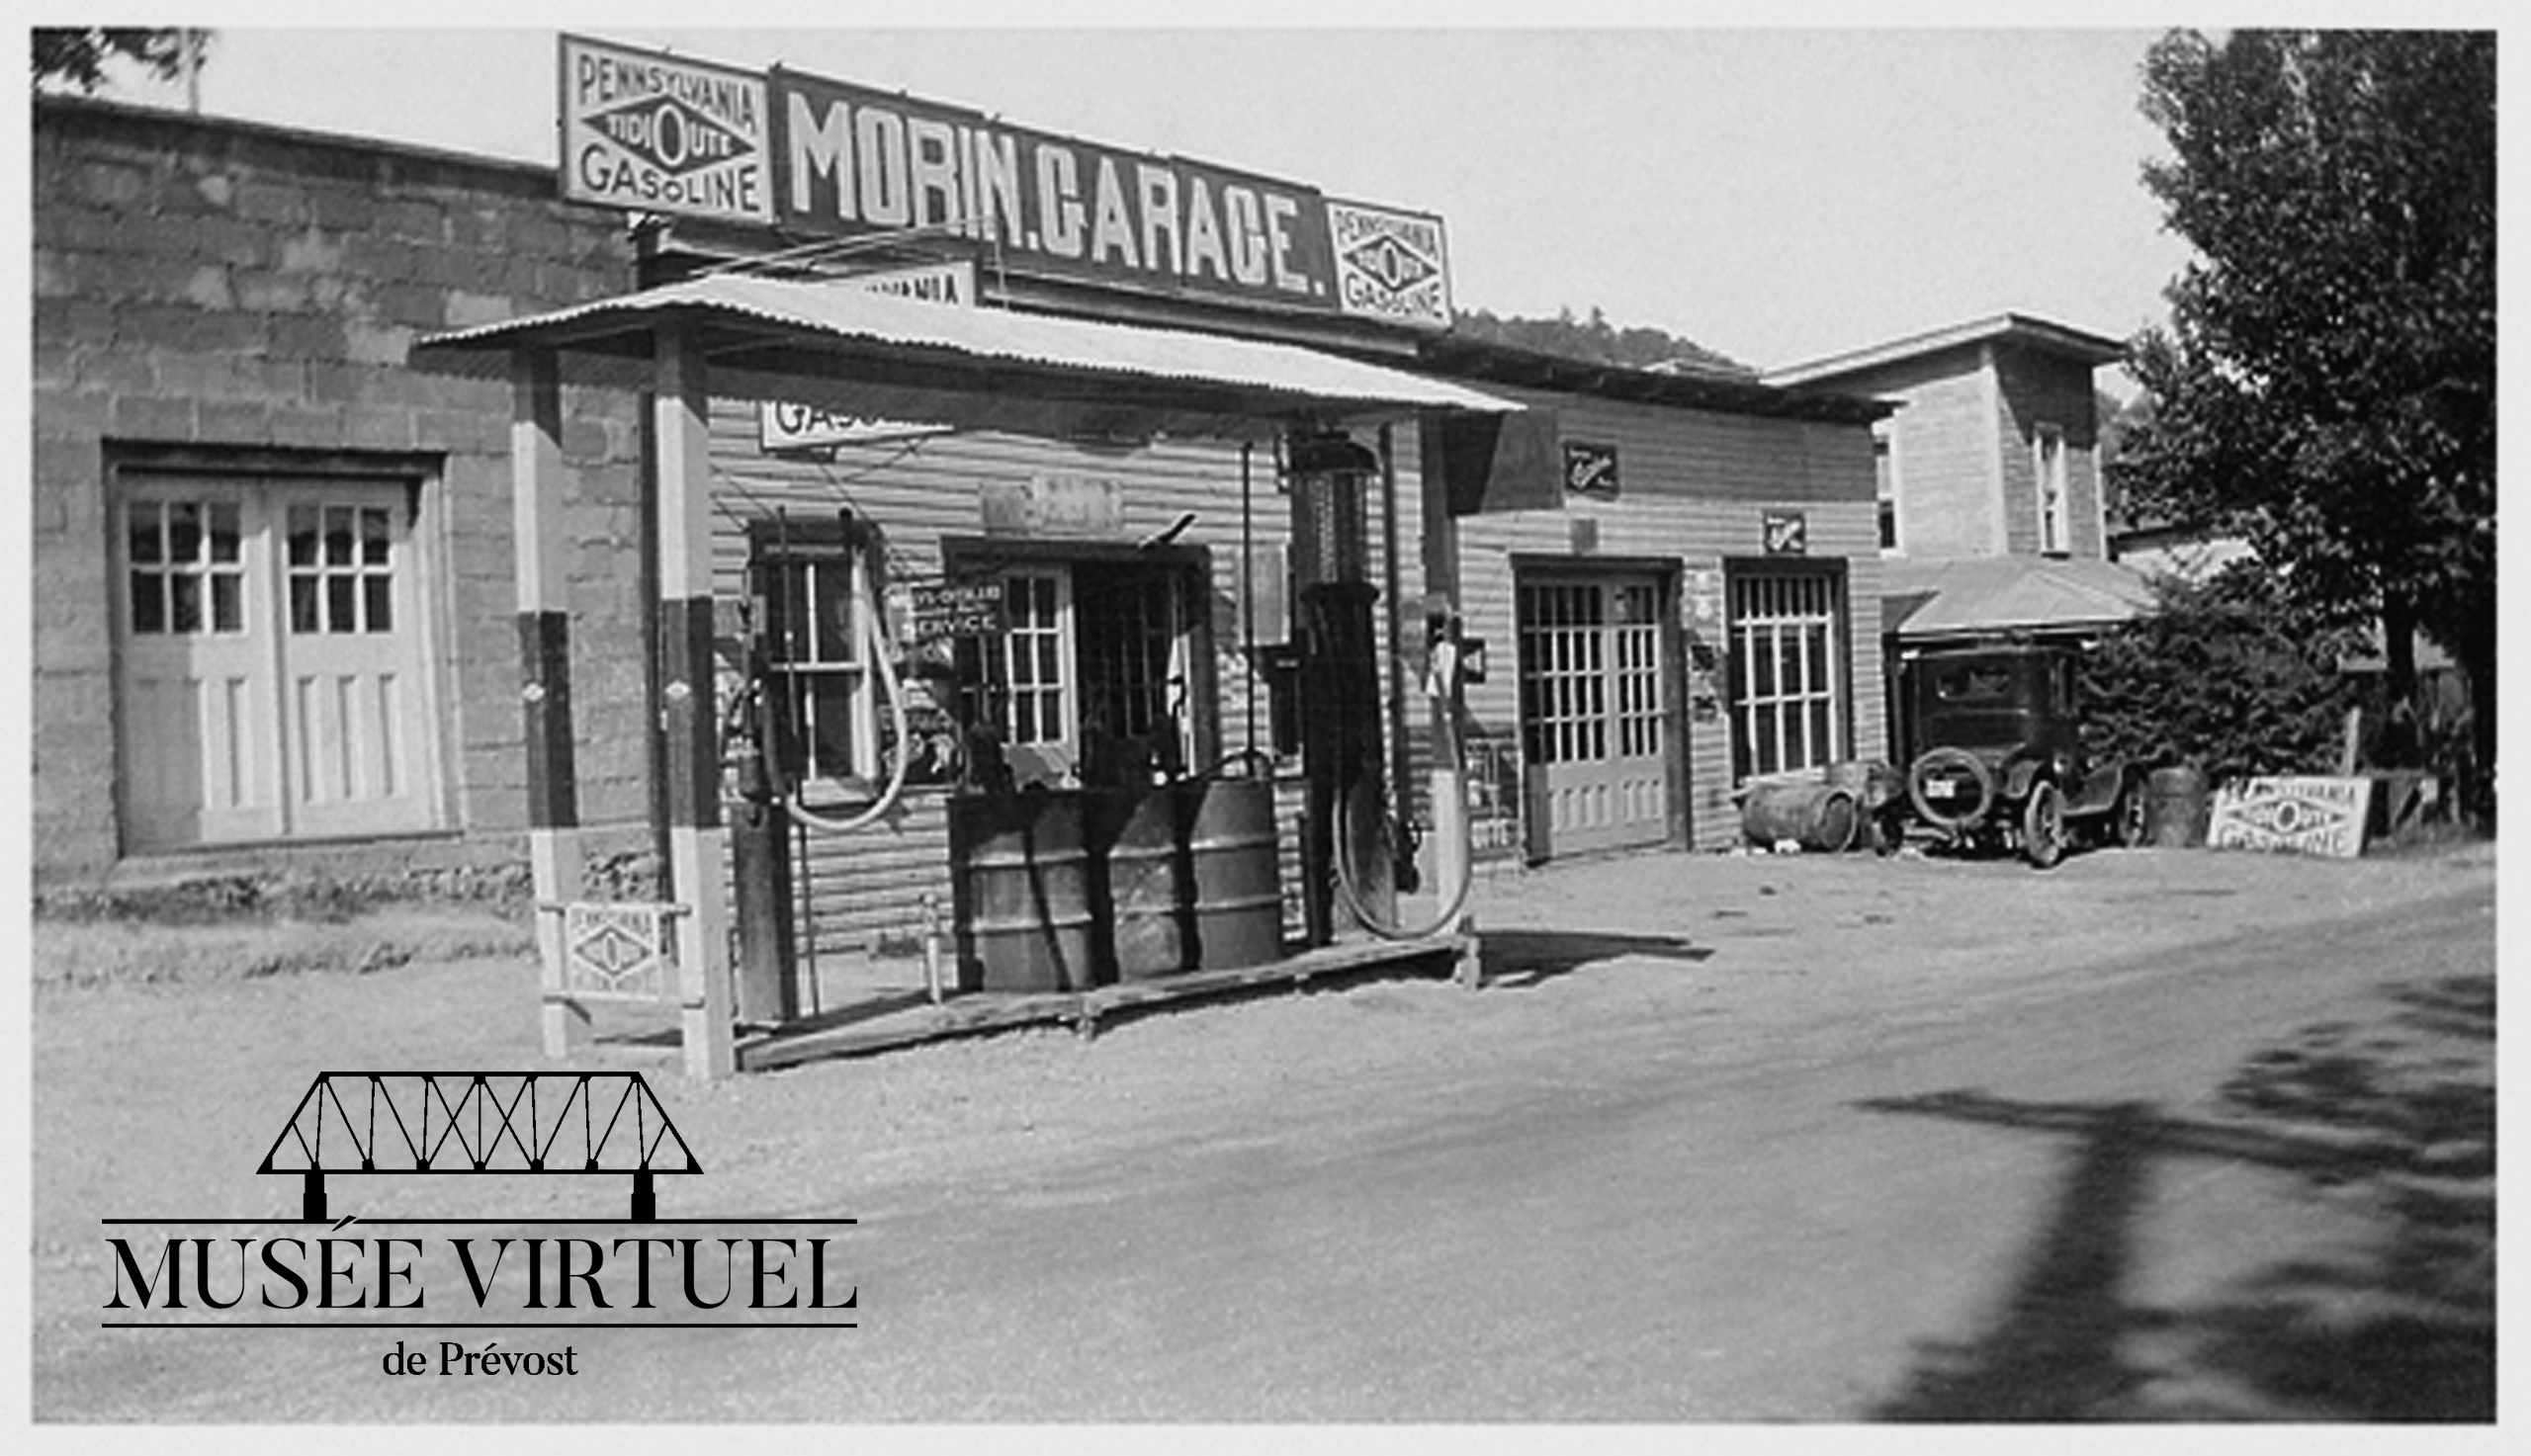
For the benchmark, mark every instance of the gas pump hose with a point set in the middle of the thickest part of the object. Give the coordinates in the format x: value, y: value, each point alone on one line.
x: 890, y: 685
x: 1348, y: 882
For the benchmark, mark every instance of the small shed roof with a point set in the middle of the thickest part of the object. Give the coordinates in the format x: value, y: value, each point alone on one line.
x: 1969, y: 596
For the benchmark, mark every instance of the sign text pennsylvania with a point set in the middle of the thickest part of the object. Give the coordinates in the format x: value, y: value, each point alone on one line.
x: 662, y: 134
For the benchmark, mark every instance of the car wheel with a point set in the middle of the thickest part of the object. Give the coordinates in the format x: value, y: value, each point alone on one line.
x: 2127, y: 821
x: 2042, y: 827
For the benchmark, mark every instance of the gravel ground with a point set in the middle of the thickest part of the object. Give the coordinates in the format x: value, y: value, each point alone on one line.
x: 157, y: 1095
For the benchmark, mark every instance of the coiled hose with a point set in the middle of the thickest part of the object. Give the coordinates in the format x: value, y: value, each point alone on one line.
x: 894, y: 689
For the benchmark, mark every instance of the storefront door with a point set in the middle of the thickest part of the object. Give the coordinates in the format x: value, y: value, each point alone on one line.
x: 1593, y: 725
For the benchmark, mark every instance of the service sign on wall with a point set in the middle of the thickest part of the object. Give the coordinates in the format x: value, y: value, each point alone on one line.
x: 662, y: 134
x: 1053, y: 505
x: 1785, y: 532
x: 1590, y: 470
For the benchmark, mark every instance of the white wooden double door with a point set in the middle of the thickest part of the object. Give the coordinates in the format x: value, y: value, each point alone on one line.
x: 272, y: 665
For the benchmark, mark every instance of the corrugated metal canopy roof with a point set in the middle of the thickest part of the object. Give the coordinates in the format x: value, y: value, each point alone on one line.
x: 856, y: 352
x: 1972, y: 595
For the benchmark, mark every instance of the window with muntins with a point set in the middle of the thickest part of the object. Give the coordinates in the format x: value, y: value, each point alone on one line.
x: 1786, y: 680
x: 1089, y: 680
x: 812, y: 587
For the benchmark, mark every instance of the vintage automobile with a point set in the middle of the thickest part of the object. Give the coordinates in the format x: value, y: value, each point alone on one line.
x: 1998, y: 761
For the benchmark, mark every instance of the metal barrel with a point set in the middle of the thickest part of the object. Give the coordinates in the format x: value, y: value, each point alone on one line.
x: 1874, y: 783
x: 1141, y: 836
x: 1816, y: 817
x: 1020, y: 875
x: 1232, y: 853
x: 2176, y: 808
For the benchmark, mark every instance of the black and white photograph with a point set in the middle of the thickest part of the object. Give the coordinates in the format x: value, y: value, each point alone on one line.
x: 1401, y: 724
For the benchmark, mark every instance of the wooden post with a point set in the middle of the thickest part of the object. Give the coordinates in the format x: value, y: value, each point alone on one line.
x: 543, y: 554
x: 697, y: 842
x: 1401, y: 746
x: 1453, y: 855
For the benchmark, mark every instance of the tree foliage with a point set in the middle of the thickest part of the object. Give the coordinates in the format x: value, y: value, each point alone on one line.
x: 2228, y: 675
x: 79, y: 56
x: 1593, y: 340
x: 2327, y: 386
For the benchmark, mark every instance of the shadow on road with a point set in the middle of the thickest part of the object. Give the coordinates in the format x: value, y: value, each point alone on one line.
x: 2390, y: 1114
x: 1515, y: 959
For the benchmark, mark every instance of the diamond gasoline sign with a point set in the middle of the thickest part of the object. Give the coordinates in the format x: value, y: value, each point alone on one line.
x: 660, y: 134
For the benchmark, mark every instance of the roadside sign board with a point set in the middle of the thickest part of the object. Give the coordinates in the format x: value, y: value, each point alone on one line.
x: 2300, y: 814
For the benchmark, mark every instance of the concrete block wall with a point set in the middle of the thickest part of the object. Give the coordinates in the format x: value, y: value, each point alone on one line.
x: 248, y: 292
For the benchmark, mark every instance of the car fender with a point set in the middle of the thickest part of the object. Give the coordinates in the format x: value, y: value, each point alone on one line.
x: 2019, y: 775
x: 2100, y: 789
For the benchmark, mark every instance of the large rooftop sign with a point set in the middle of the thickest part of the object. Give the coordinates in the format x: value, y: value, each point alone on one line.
x: 658, y: 133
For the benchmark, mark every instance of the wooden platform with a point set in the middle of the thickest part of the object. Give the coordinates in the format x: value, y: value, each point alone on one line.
x: 905, y: 1021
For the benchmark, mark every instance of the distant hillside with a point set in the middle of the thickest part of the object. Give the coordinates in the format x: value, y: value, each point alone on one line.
x: 1595, y: 340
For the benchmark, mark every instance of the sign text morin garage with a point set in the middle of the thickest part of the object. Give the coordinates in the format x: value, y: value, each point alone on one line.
x: 817, y: 156
x: 852, y: 159
x: 663, y: 133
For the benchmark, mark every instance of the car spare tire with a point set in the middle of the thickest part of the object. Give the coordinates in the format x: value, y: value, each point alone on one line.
x: 1950, y: 787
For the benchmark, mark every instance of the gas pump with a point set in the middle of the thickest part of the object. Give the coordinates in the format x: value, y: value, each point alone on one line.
x: 1338, y: 677
x: 768, y: 804
x: 759, y: 830
x: 1352, y: 840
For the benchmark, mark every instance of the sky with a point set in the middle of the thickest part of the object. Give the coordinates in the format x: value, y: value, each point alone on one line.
x: 1775, y: 195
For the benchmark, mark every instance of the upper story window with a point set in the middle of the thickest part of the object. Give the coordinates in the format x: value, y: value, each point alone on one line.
x: 1884, y: 477
x: 2047, y: 449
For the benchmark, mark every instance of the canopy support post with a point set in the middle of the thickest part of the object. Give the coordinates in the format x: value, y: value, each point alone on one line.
x: 698, y: 843
x: 542, y: 553
x: 1453, y: 855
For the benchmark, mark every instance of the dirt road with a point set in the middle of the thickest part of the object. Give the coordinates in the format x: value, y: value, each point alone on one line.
x: 2155, y: 1135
